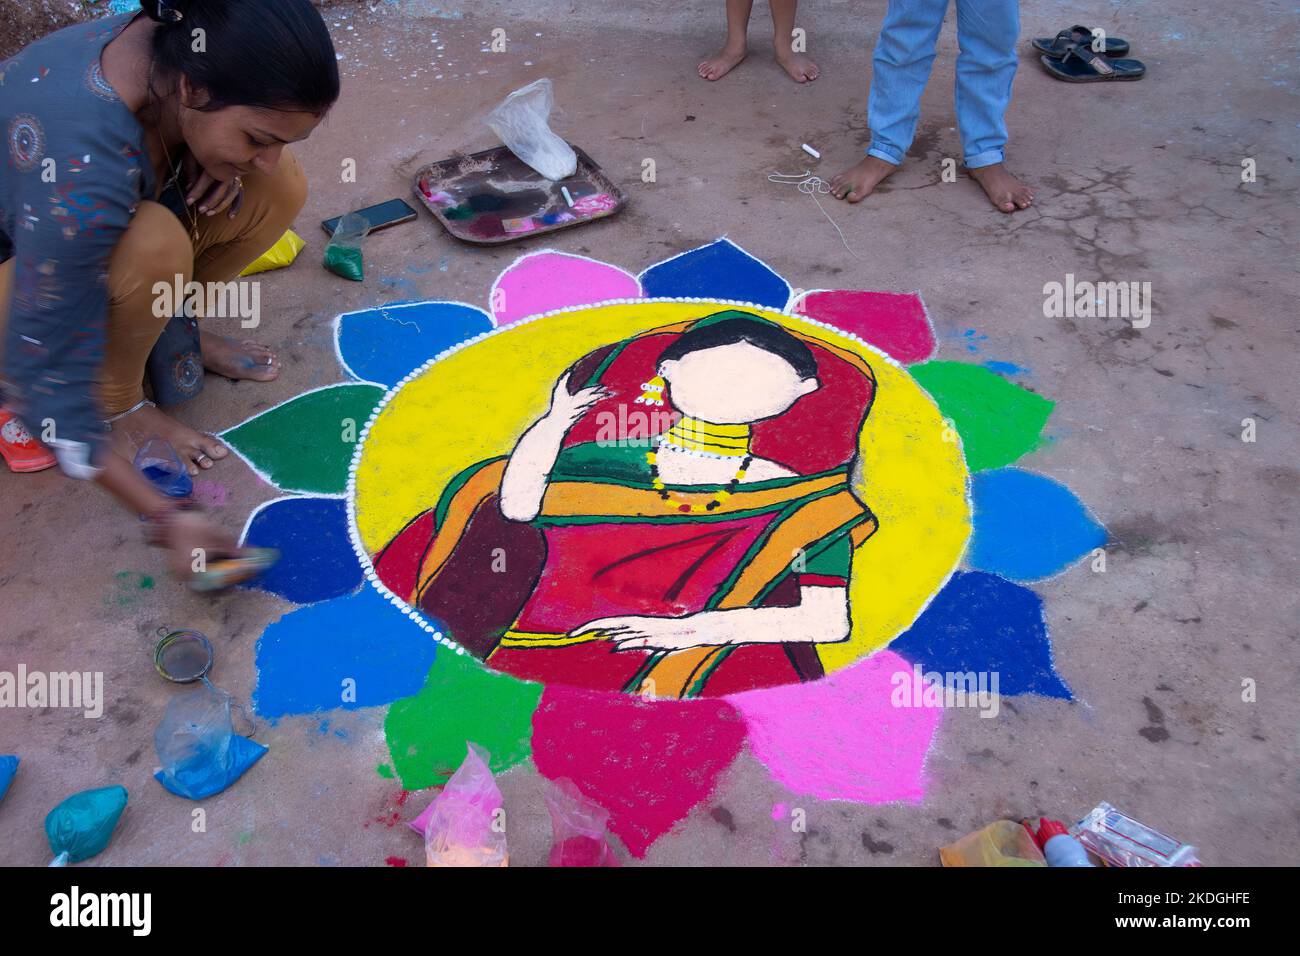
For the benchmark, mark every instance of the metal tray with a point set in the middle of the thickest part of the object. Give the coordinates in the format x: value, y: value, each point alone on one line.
x: 493, y: 197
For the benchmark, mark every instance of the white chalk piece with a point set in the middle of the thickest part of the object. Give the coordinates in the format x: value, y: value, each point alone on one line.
x: 567, y: 197
x: 811, y: 152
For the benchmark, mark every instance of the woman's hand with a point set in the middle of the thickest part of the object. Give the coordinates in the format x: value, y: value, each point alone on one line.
x: 566, y: 409
x: 213, y: 195
x: 660, y: 633
x: 820, y: 617
x: 524, y: 483
x: 191, y: 536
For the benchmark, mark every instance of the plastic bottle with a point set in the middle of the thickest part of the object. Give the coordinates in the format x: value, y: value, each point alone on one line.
x: 1119, y: 840
x: 1058, y: 846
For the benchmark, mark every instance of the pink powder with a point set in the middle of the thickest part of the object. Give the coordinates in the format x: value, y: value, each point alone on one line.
x: 647, y: 762
x: 211, y: 494
x: 893, y: 322
x: 840, y: 738
x: 554, y: 280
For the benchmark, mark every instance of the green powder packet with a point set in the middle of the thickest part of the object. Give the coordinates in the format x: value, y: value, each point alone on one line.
x: 343, y: 253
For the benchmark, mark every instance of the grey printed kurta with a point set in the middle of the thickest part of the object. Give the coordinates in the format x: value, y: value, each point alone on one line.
x: 75, y: 169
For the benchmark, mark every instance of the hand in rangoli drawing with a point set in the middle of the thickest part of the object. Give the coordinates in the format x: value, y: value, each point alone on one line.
x: 662, y: 633
x: 524, y: 483
x: 820, y: 617
x: 567, y: 408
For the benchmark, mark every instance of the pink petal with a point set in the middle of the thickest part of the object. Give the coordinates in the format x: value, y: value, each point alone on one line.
x: 547, y: 280
x: 894, y: 322
x: 646, y: 762
x: 840, y: 738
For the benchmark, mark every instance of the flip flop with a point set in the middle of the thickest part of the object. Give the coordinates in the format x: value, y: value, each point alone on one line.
x: 1057, y: 46
x: 22, y: 453
x: 1081, y: 65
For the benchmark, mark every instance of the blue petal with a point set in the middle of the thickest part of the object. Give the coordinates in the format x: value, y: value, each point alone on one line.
x: 983, y: 623
x: 720, y: 270
x: 1027, y: 526
x: 305, y: 658
x: 316, y: 557
x: 375, y: 348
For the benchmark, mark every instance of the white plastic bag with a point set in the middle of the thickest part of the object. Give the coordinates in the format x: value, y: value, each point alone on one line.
x: 521, y: 122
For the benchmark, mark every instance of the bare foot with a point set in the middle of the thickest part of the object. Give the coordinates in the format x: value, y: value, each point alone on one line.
x: 1005, y: 191
x: 237, y: 360
x: 721, y: 63
x: 197, y: 451
x: 800, y: 68
x: 857, y: 183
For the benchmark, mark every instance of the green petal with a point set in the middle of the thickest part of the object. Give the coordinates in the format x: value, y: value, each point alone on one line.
x: 998, y: 421
x: 306, y: 444
x: 461, y: 700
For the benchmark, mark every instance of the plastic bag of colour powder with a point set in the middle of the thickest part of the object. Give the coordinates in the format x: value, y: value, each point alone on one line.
x: 464, y: 826
x: 521, y: 122
x: 343, y: 254
x: 81, y: 826
x: 8, y: 768
x: 278, y: 256
x: 197, y: 745
x: 1001, y: 843
x: 578, y: 828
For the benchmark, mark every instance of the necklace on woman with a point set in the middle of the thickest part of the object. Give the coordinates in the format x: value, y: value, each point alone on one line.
x: 652, y: 458
x: 701, y: 439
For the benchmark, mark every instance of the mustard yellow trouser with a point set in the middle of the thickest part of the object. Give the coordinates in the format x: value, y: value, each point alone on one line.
x: 157, y: 247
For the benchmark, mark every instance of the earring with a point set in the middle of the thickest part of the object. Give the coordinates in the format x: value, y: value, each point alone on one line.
x: 652, y: 392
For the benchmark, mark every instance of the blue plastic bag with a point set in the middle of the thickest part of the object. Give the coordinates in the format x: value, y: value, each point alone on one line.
x: 200, y: 752
x: 8, y: 767
x: 81, y: 826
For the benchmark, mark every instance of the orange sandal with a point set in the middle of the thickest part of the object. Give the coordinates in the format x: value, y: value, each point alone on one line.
x: 22, y: 453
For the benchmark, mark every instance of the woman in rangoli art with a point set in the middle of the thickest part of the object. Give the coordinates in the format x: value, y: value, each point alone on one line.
x: 706, y: 554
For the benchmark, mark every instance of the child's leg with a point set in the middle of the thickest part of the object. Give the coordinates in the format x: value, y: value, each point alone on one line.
x: 987, y: 31
x: 900, y: 69
x: 721, y: 63
x: 800, y: 68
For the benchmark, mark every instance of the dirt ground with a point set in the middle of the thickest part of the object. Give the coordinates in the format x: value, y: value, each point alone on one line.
x: 1135, y: 182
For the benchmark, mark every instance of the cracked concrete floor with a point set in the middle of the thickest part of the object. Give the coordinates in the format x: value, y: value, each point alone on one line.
x: 1135, y: 182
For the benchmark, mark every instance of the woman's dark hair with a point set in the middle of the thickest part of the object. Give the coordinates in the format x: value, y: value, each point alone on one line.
x: 712, y: 332
x: 273, y: 54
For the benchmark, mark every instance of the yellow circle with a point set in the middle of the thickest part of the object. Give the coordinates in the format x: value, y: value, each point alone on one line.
x: 476, y: 402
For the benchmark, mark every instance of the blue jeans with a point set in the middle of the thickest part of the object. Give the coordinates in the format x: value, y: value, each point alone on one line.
x: 987, y: 31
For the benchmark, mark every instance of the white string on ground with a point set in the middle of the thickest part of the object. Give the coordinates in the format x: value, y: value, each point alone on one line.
x: 384, y: 312
x: 812, y: 185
